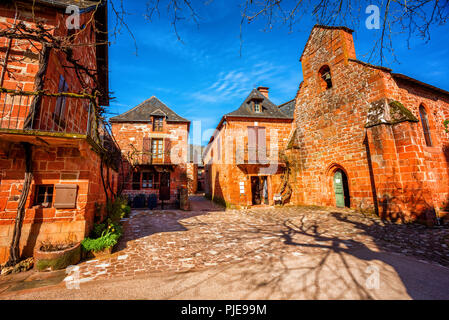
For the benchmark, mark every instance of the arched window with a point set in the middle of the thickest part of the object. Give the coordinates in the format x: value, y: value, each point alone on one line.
x: 325, y: 77
x: 425, y: 125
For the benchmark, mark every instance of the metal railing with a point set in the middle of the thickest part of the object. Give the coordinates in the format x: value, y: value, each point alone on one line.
x: 66, y: 113
x: 149, y: 158
x: 21, y: 110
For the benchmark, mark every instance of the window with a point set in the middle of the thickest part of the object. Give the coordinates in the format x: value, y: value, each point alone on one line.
x: 257, y: 107
x: 158, y: 123
x: 425, y: 125
x: 147, y: 180
x: 157, y: 148
x: 44, y: 196
x: 61, y: 101
x: 325, y: 77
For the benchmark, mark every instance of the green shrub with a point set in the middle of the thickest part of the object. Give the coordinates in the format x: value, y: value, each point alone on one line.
x: 107, y: 240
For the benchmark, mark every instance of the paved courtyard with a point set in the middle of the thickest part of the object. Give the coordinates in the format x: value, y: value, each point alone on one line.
x: 272, y: 249
x: 161, y: 241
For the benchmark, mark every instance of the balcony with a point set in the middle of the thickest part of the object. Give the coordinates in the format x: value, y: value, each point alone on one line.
x: 142, y: 158
x: 51, y: 119
x: 257, y: 156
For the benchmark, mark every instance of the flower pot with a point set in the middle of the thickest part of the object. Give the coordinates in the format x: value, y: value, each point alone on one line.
x: 98, y: 254
x: 56, y: 260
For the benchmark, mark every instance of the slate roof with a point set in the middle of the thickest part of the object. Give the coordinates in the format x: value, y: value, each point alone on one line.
x: 269, y: 109
x: 82, y: 4
x: 417, y: 82
x: 148, y: 108
x: 288, y: 108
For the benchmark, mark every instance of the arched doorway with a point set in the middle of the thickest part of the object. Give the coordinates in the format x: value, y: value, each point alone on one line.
x: 341, y: 189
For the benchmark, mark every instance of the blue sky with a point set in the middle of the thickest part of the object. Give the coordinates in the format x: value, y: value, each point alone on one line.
x: 204, y: 76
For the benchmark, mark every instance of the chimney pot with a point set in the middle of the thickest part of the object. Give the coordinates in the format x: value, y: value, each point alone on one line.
x: 264, y: 91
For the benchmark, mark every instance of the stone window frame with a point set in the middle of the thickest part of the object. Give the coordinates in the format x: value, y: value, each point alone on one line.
x: 42, y: 190
x: 158, y: 124
x: 426, y: 125
x: 157, y: 150
x: 323, y: 84
x: 155, y: 180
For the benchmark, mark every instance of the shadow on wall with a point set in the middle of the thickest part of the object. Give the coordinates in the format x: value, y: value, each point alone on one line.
x: 401, y: 203
x: 35, y: 228
x: 217, y: 192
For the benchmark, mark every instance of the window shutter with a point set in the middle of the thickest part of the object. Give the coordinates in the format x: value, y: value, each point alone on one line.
x: 252, y: 144
x: 65, y: 196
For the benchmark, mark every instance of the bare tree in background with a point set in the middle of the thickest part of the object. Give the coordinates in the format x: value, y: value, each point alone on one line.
x: 414, y: 18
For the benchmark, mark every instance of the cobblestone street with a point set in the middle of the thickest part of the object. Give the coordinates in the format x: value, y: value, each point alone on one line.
x: 178, y: 241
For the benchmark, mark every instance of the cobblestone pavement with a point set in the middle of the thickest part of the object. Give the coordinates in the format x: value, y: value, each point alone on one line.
x: 160, y: 241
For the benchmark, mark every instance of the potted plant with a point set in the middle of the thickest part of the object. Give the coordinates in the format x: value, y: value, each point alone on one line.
x: 51, y: 256
x: 105, y: 237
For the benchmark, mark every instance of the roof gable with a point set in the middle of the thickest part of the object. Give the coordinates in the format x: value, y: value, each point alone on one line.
x: 144, y: 111
x: 319, y: 26
x: 269, y: 109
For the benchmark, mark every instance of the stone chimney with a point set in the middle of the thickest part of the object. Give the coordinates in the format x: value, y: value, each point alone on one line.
x: 264, y: 91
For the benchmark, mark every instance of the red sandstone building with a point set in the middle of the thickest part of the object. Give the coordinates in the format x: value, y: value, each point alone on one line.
x: 154, y: 144
x: 55, y: 142
x: 242, y: 163
x: 366, y: 137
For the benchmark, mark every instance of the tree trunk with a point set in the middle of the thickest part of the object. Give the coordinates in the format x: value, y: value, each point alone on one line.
x: 14, y: 249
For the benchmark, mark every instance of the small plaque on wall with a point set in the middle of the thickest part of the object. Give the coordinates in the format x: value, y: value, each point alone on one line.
x: 65, y: 196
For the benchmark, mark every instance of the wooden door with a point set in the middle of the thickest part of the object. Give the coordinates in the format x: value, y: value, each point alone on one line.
x: 339, y: 189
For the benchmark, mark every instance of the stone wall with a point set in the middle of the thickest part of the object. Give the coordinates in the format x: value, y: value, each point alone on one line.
x: 134, y: 140
x: 51, y: 166
x: 390, y: 170
x: 229, y: 182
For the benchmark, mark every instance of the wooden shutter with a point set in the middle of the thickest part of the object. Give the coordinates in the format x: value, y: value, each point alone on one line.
x: 261, y: 145
x: 252, y: 144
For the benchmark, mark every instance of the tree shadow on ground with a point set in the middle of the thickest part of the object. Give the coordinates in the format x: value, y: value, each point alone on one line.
x: 304, y: 260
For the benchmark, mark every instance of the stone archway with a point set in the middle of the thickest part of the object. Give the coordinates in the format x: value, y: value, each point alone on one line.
x: 339, y: 190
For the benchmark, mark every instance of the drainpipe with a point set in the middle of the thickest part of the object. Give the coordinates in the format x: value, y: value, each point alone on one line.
x: 8, y: 50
